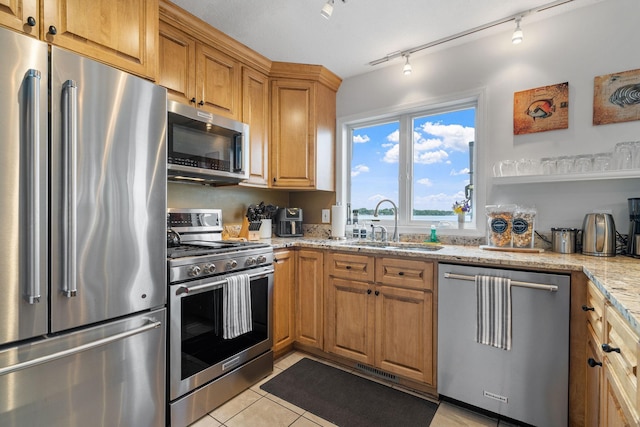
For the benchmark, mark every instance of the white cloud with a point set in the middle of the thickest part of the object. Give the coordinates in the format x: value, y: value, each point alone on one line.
x: 394, y: 136
x: 389, y: 144
x: 358, y: 169
x: 440, y: 201
x: 463, y: 171
x: 392, y: 155
x: 430, y: 157
x: 377, y: 197
x: 425, y: 181
x: 454, y: 137
x: 360, y: 139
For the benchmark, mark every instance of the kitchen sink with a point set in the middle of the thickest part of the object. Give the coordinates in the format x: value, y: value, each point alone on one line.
x: 397, y: 245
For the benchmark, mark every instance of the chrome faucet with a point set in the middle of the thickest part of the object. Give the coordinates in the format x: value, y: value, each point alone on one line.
x: 383, y: 232
x: 396, y: 238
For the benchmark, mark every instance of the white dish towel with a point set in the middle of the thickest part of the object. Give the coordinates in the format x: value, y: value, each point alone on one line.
x: 236, y: 306
x: 493, y: 295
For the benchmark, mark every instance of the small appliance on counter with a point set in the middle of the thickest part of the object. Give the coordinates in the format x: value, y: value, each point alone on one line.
x: 289, y: 222
x: 633, y: 239
x: 599, y: 235
x: 563, y: 240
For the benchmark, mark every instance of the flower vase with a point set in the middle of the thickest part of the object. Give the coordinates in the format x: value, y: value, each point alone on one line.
x: 461, y: 219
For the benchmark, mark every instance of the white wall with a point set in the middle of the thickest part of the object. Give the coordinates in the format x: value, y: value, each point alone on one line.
x: 574, y: 47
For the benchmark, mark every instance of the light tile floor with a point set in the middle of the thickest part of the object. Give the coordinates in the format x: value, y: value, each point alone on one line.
x: 256, y: 408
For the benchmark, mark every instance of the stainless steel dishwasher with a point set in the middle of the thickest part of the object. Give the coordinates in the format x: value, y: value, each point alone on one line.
x: 529, y: 382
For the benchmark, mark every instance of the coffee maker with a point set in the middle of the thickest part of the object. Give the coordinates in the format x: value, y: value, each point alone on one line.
x: 289, y: 222
x: 634, y: 227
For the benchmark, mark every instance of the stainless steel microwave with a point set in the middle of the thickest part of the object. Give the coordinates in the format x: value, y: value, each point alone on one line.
x: 206, y: 148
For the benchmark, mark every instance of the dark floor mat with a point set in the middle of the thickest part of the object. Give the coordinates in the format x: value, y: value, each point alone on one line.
x: 348, y: 400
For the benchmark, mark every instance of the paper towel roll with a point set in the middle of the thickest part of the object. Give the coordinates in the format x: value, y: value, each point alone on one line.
x: 338, y: 221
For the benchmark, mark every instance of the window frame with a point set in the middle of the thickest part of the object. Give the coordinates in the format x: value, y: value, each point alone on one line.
x: 405, y: 114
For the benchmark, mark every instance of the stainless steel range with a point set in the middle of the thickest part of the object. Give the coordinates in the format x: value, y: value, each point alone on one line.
x: 220, y: 337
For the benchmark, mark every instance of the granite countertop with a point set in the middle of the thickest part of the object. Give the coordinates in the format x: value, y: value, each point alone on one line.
x: 617, y: 277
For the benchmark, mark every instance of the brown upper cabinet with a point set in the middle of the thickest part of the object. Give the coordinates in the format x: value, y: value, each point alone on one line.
x: 121, y: 33
x: 303, y: 109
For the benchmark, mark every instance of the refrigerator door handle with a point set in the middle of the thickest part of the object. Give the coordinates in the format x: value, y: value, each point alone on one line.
x: 69, y: 176
x: 32, y: 134
x: 84, y: 347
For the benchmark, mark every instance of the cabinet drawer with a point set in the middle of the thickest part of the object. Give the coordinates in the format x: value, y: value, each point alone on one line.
x: 406, y: 273
x: 596, y: 301
x: 348, y: 266
x: 622, y: 366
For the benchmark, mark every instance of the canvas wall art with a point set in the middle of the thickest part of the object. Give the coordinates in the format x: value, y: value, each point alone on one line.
x: 616, y: 98
x: 541, y: 109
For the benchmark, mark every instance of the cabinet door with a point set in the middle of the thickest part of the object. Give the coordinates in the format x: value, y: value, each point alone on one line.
x: 255, y: 112
x: 593, y: 381
x: 283, y: 299
x: 404, y: 333
x: 349, y: 319
x: 218, y: 82
x: 293, y: 143
x: 309, y: 298
x: 615, y: 412
x: 15, y: 14
x: 177, y: 64
x: 122, y: 33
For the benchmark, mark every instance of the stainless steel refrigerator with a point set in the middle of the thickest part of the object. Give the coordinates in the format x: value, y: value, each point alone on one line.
x: 83, y: 208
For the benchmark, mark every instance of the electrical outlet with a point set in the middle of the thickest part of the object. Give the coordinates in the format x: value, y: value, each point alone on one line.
x: 325, y: 216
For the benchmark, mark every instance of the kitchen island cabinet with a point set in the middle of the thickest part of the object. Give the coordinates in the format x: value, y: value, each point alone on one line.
x: 120, y: 33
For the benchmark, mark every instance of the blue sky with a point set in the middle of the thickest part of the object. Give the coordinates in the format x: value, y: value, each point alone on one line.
x: 441, y: 161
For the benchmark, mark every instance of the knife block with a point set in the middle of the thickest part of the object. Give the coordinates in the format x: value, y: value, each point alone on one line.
x: 250, y: 230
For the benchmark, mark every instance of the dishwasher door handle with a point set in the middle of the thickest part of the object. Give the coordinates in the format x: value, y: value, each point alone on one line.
x: 550, y: 288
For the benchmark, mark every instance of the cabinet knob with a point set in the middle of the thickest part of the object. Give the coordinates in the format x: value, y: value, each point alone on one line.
x: 193, y: 100
x: 400, y: 273
x: 53, y: 30
x: 31, y: 21
x: 608, y: 349
x: 377, y: 293
x: 368, y: 291
x: 587, y: 308
x: 591, y: 362
x: 201, y: 103
x: 347, y: 267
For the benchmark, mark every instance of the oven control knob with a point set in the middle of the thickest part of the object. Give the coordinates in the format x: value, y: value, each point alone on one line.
x: 261, y: 259
x: 193, y: 271
x: 250, y: 261
x: 232, y: 264
x: 209, y: 268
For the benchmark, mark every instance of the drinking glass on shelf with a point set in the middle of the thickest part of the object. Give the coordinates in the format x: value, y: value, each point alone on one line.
x: 623, y: 155
x: 636, y: 154
x: 583, y: 163
x: 523, y: 167
x: 564, y: 164
x: 602, y: 162
x: 548, y: 165
x: 507, y: 168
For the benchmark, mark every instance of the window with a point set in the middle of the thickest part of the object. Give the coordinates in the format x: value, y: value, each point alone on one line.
x: 422, y: 160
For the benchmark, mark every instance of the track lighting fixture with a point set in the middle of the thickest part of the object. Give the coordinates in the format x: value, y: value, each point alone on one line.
x: 406, y: 70
x: 517, y: 34
x: 327, y: 9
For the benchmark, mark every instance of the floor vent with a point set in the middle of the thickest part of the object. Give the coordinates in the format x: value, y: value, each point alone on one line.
x: 377, y: 372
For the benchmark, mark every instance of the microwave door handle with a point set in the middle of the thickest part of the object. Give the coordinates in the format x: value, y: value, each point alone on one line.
x: 237, y: 153
x: 32, y: 135
x: 69, y: 176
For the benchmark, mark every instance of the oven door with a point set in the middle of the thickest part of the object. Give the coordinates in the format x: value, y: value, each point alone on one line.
x: 198, y: 353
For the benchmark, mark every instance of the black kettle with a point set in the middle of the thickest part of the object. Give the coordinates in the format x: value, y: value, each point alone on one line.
x: 173, y: 238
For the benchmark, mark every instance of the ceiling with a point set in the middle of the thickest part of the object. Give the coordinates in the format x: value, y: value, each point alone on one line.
x: 361, y: 31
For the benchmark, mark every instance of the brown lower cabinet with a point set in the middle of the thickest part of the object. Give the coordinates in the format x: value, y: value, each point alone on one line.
x: 283, y: 300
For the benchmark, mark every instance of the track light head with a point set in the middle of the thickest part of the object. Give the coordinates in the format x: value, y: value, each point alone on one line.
x: 406, y: 70
x: 327, y: 9
x: 517, y: 34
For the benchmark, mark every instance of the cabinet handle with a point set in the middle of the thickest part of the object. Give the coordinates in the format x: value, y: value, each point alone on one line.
x: 591, y: 362
x: 31, y: 21
x: 193, y: 100
x: 608, y: 349
x: 201, y: 103
x: 587, y: 308
x: 368, y: 291
x: 377, y: 293
x: 53, y: 30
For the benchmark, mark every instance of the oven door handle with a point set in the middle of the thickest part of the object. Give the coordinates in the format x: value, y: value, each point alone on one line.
x: 217, y: 284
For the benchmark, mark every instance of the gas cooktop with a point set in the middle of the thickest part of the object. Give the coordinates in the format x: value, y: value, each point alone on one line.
x: 211, y: 248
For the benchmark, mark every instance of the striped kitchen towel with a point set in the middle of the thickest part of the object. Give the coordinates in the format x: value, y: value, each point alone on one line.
x: 236, y: 306
x: 493, y: 298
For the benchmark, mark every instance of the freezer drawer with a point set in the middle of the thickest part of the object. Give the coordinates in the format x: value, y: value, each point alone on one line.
x: 528, y: 383
x: 108, y: 375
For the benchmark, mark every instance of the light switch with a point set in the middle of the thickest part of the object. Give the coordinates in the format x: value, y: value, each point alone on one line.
x: 326, y: 216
